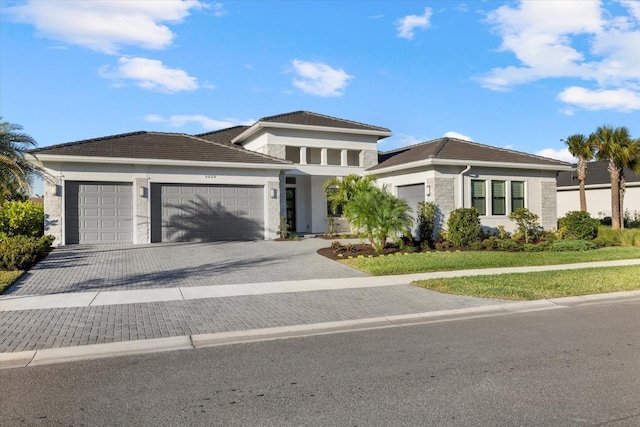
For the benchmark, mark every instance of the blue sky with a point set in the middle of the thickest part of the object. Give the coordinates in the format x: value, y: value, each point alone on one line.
x: 517, y: 74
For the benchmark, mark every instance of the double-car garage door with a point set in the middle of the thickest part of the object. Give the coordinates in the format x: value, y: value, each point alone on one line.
x: 101, y: 212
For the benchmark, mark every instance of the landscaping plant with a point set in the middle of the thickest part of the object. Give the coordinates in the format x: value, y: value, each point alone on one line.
x: 21, y: 218
x: 427, y: 214
x: 527, y: 224
x: 578, y: 225
x: 463, y: 226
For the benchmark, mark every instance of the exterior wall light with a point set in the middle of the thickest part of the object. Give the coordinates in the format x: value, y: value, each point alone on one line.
x: 274, y: 193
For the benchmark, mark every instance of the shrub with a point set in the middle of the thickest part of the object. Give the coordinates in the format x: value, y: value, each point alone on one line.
x: 490, y: 243
x: 21, y: 218
x: 463, y: 226
x: 21, y: 252
x: 427, y: 213
x: 283, y: 228
x: 502, y: 232
x: 621, y: 236
x: 571, y: 245
x: 527, y: 224
x: 632, y: 220
x: 476, y: 246
x: 578, y: 225
x: 336, y: 245
x: 508, y: 245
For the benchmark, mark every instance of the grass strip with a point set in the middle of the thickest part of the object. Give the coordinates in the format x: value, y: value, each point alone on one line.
x: 540, y: 285
x: 7, y: 278
x: 424, y: 262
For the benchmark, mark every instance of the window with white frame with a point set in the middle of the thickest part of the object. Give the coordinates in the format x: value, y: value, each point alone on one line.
x: 498, y: 198
x: 517, y: 195
x: 479, y: 196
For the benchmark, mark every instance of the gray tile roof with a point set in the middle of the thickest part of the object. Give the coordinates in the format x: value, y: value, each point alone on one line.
x: 159, y: 145
x: 597, y: 174
x: 315, y: 119
x: 457, y: 149
x: 223, y: 136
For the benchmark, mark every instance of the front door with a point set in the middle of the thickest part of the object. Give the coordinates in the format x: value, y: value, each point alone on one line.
x: 291, y: 209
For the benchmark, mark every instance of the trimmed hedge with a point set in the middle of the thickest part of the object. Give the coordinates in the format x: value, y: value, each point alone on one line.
x: 21, y: 252
x: 21, y: 218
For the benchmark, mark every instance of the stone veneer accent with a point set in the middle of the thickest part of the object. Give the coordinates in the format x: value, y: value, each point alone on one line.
x: 368, y: 158
x: 274, y: 207
x: 548, y: 205
x: 443, y: 190
x: 141, y: 213
x: 53, y: 208
x: 276, y: 150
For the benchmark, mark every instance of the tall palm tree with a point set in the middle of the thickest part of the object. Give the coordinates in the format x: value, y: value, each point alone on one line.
x: 610, y: 143
x: 16, y: 172
x: 628, y: 158
x: 584, y: 149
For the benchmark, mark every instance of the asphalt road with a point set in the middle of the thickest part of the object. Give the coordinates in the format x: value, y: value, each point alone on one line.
x: 574, y: 366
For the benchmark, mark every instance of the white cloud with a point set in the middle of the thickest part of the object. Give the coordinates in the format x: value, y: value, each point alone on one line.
x: 106, y: 26
x: 150, y: 74
x: 452, y: 134
x: 205, y: 122
x: 553, y: 153
x: 317, y: 78
x: 408, y: 24
x: 571, y: 39
x: 618, y: 99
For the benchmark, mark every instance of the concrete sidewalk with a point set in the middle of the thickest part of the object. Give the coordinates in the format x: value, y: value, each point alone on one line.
x: 73, y: 326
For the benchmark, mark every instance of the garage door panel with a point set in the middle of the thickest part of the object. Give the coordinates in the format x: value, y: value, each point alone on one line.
x: 99, y: 212
x: 412, y: 194
x: 206, y: 213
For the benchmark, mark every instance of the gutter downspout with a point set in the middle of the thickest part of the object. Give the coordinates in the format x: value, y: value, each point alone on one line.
x: 467, y: 169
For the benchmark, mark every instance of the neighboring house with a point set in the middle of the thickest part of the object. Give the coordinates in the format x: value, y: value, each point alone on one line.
x: 236, y: 183
x: 597, y: 191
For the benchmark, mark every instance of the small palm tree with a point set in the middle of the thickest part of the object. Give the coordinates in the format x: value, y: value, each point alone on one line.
x: 584, y: 149
x: 340, y: 190
x: 379, y: 215
x: 16, y: 172
x: 628, y: 157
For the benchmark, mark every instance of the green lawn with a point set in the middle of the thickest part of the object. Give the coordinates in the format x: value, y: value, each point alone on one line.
x: 465, y: 260
x: 540, y: 285
x: 7, y: 278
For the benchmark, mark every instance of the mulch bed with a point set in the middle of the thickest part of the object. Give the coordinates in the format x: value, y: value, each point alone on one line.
x: 357, y: 250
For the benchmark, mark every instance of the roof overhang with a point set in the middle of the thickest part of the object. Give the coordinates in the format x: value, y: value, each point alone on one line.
x: 463, y: 163
x: 255, y: 128
x: 42, y: 158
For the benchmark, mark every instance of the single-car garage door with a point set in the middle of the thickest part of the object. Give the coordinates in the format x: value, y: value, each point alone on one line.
x: 412, y: 194
x: 206, y: 213
x: 98, y: 212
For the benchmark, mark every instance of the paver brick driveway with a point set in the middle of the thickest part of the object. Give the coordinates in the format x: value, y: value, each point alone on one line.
x: 78, y: 268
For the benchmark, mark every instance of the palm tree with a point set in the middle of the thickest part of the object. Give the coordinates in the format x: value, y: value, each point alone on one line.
x: 611, y: 143
x: 340, y: 190
x: 15, y: 171
x: 379, y: 215
x: 628, y: 158
x: 584, y: 149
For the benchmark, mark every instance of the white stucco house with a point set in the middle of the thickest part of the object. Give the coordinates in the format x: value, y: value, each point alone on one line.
x: 236, y: 183
x: 597, y: 191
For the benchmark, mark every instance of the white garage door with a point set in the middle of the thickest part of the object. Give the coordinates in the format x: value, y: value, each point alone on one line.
x: 206, y: 213
x: 98, y: 212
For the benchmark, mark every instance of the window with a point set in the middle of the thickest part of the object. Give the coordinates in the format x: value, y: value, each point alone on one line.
x: 334, y: 157
x: 353, y: 158
x: 498, y: 198
x: 292, y: 154
x: 314, y: 155
x: 517, y: 195
x: 478, y: 196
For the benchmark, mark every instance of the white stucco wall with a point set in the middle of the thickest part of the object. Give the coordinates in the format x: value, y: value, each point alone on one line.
x: 598, y: 200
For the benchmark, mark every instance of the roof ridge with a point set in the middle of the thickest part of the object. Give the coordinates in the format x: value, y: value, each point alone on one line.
x: 322, y: 116
x: 236, y: 148
x: 221, y: 130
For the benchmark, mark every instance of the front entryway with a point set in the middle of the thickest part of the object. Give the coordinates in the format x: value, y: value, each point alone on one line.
x: 291, y: 209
